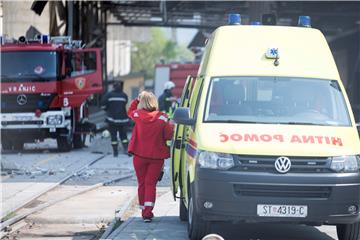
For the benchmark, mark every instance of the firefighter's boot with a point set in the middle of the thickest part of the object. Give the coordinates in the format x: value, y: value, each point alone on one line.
x: 115, y: 149
x: 125, y: 144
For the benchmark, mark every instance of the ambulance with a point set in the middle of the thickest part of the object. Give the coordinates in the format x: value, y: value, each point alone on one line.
x: 265, y: 133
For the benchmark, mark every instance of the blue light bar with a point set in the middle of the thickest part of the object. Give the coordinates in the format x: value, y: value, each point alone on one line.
x: 234, y: 19
x: 44, y: 38
x: 304, y: 21
x: 255, y: 23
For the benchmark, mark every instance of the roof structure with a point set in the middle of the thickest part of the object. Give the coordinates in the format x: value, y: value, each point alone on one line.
x: 331, y: 17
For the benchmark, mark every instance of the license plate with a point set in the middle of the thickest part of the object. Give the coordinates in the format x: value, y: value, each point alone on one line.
x: 269, y: 210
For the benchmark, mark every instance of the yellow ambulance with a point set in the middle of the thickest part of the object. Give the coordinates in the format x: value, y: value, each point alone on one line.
x: 265, y: 133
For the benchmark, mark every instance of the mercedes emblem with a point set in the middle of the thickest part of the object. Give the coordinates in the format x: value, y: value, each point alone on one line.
x: 21, y: 99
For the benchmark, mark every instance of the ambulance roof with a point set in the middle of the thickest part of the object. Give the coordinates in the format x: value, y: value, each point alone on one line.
x: 239, y: 50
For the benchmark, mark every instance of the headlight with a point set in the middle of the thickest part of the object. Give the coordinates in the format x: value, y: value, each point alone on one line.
x: 54, y: 119
x: 215, y: 160
x: 346, y: 164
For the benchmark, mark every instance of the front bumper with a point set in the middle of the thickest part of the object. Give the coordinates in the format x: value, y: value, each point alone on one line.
x: 31, y: 121
x: 235, y: 195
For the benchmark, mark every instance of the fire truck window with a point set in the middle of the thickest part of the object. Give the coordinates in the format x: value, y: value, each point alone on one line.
x: 83, y: 63
x: 34, y: 66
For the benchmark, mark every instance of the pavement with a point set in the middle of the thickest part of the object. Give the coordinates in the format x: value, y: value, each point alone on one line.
x: 165, y: 225
x: 28, y: 174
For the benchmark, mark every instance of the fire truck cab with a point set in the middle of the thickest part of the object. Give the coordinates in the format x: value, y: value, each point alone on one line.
x: 45, y: 85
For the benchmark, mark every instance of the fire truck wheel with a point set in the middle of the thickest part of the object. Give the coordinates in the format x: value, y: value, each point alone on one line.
x: 64, y: 143
x: 6, y: 145
x: 79, y: 140
x: 18, y: 145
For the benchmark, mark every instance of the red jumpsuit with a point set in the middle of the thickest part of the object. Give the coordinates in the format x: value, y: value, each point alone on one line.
x: 148, y: 145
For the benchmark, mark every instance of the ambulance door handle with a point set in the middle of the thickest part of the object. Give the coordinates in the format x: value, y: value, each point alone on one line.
x: 178, y: 144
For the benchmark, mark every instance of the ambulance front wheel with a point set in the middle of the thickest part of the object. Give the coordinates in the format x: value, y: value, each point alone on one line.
x: 183, y: 212
x: 348, y: 231
x: 197, y: 227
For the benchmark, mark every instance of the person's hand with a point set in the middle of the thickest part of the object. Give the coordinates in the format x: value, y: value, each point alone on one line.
x: 171, y: 122
x: 172, y: 99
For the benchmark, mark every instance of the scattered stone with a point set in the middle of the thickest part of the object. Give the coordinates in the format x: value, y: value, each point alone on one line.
x: 9, y: 165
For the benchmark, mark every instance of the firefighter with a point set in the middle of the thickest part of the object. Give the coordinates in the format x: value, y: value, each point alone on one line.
x: 114, y: 103
x: 167, y: 102
x: 148, y: 146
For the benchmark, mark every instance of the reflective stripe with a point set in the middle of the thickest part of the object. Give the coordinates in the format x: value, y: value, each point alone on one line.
x: 117, y: 99
x: 115, y: 142
x: 125, y: 141
x: 117, y: 120
x: 136, y: 114
x: 149, y: 204
x: 163, y: 118
x: 141, y: 207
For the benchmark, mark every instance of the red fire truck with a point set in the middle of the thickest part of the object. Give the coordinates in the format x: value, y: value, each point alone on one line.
x: 45, y: 85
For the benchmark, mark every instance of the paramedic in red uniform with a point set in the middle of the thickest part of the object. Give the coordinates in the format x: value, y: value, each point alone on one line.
x: 148, y: 145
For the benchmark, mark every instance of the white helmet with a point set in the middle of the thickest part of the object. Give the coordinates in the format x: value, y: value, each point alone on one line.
x: 105, y: 134
x: 169, y: 85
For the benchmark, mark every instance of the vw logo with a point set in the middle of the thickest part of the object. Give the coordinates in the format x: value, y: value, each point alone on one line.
x: 282, y: 164
x: 21, y: 99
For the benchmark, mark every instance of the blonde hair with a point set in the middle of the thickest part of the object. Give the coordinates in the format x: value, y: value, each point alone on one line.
x: 148, y: 101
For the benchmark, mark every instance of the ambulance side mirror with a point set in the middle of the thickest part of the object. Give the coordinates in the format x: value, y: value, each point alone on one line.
x: 182, y: 116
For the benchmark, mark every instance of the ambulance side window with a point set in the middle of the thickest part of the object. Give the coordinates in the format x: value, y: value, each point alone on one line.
x: 194, y: 102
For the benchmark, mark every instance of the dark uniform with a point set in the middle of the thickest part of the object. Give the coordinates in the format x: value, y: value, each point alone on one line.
x: 114, y: 103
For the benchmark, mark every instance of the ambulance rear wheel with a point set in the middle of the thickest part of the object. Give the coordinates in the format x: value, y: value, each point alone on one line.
x: 183, y: 212
x: 348, y: 231
x: 197, y: 227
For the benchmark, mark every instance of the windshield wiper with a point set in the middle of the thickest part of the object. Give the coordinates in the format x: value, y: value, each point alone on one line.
x: 237, y: 121
x: 302, y: 123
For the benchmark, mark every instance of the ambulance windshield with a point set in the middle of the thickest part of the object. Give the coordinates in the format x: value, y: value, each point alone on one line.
x: 276, y: 100
x: 29, y: 66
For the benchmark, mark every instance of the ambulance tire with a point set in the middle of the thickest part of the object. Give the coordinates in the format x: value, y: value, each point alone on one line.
x: 183, y: 212
x: 197, y: 227
x: 348, y: 231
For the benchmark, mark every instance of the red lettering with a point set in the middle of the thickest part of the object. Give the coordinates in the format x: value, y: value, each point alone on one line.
x: 224, y: 137
x: 336, y: 141
x: 251, y: 138
x: 266, y: 138
x: 236, y: 137
x: 327, y: 140
x: 295, y: 138
x: 308, y: 139
x: 319, y: 139
x: 280, y: 138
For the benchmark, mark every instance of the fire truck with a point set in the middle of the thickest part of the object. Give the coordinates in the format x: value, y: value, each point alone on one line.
x: 46, y: 84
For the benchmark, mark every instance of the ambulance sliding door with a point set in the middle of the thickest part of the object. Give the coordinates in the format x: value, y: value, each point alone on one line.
x: 178, y: 140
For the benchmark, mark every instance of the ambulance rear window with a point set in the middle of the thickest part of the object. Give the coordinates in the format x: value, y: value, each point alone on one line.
x: 276, y: 100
